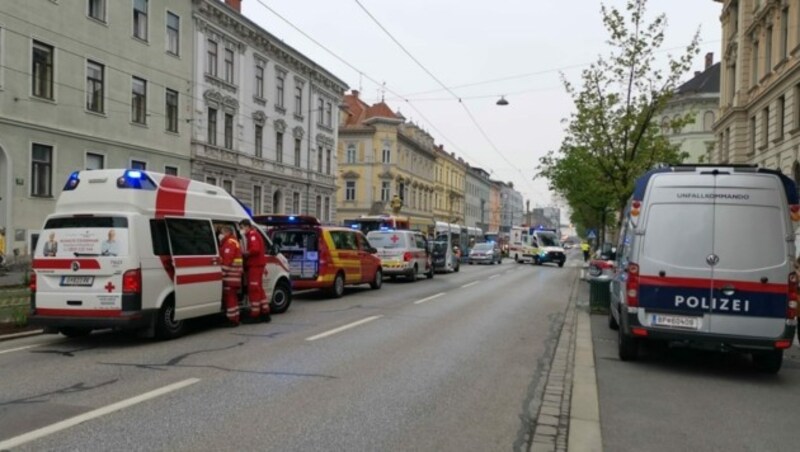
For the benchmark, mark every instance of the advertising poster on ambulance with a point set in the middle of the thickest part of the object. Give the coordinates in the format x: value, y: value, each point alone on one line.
x: 83, y: 242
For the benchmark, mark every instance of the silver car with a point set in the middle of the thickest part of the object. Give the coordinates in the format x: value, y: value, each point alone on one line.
x: 485, y: 253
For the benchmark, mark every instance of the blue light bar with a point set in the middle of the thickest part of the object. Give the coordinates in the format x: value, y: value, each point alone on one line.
x: 136, y: 179
x: 73, y: 181
x: 292, y: 218
x: 133, y: 174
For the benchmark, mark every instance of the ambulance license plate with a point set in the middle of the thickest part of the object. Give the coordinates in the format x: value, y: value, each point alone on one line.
x: 77, y: 281
x: 676, y: 321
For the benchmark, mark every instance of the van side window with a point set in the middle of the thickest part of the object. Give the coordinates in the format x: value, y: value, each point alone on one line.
x: 191, y: 237
x: 158, y: 234
x: 420, y: 242
x: 344, y: 240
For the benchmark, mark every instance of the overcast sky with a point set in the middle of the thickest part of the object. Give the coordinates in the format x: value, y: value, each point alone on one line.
x: 465, y: 42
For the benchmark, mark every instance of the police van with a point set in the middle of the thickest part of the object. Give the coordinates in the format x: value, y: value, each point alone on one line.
x: 128, y: 249
x: 705, y: 259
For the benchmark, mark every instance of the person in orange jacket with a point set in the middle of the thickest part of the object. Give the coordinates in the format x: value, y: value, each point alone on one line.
x: 231, y: 255
x: 255, y: 264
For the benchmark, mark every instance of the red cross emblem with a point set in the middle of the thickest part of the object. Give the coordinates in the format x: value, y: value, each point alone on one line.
x: 395, y: 238
x: 109, y: 287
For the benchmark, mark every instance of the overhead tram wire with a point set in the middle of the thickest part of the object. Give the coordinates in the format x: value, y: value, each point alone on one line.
x: 444, y: 87
x: 365, y: 75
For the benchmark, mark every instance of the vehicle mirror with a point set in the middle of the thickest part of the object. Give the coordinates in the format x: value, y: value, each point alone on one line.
x: 372, y: 250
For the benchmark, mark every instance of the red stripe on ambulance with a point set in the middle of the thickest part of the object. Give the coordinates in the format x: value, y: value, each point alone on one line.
x: 65, y: 264
x: 171, y: 196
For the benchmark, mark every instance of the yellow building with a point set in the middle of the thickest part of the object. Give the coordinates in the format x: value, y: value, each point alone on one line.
x: 380, y: 155
x: 450, y: 184
x: 759, y: 116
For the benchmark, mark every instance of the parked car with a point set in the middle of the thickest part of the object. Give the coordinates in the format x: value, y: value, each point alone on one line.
x: 402, y: 253
x: 485, y: 253
x: 444, y: 259
x: 604, y: 263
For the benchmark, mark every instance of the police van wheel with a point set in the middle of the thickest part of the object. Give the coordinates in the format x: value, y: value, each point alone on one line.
x: 338, y: 286
x: 75, y: 332
x: 281, y: 298
x: 166, y: 325
x: 627, y: 347
x: 377, y: 282
x: 768, y: 362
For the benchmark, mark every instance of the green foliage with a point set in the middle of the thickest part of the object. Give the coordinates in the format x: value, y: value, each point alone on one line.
x: 613, y: 137
x: 19, y: 316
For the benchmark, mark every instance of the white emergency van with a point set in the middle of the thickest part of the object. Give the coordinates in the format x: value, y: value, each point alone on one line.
x: 136, y: 250
x: 705, y: 259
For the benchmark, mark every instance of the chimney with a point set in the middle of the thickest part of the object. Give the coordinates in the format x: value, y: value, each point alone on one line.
x: 709, y: 59
x: 235, y: 4
x: 355, y: 93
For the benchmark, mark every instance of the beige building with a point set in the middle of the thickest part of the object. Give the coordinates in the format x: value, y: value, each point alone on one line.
x: 450, y: 185
x: 759, y: 118
x: 380, y: 155
x: 699, y: 97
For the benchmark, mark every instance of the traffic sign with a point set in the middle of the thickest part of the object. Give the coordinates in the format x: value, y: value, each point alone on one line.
x: 591, y: 235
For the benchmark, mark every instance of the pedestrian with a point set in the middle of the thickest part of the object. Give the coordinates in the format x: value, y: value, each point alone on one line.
x: 255, y: 264
x: 231, y: 255
x: 2, y: 245
x: 585, y: 249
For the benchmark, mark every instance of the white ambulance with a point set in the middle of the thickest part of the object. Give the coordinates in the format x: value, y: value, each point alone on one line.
x: 136, y: 250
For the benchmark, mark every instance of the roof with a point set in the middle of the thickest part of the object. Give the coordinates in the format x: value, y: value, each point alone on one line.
x: 380, y: 110
x: 707, y: 81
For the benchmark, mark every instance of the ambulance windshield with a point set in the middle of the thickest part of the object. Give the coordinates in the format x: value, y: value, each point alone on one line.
x: 71, y: 237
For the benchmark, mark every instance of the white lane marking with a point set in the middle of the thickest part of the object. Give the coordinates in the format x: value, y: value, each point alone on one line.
x: 493, y: 276
x: 430, y: 298
x: 81, y: 418
x: 18, y: 349
x: 470, y: 284
x: 343, y: 328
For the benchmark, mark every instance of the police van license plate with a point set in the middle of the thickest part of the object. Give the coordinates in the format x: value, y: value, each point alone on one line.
x: 77, y: 281
x: 676, y: 321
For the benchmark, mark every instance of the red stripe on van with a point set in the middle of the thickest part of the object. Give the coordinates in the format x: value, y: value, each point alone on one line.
x: 276, y: 261
x: 698, y: 283
x: 171, y: 196
x: 184, y: 262
x: 199, y: 278
x: 65, y: 264
x: 78, y: 312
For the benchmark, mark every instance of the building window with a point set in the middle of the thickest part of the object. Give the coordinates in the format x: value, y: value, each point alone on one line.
x: 753, y: 135
x: 229, y: 65
x: 171, y: 170
x: 228, y: 131
x: 797, y: 106
x: 260, y: 80
x: 401, y: 191
x: 211, y: 58
x: 765, y: 127
x: 318, y: 207
x: 173, y: 33
x: 279, y: 82
x: 212, y: 126
x: 350, y: 190
x: 328, y: 114
x: 97, y: 10
x: 138, y: 165
x: 277, y: 201
x: 351, y: 153
x: 386, y: 189
x: 295, y: 203
x: 732, y: 86
x: 727, y: 144
x: 95, y: 75
x: 95, y: 161
x: 259, y: 140
x: 41, y: 170
x: 298, y: 100
x: 139, y: 101
x: 779, y: 116
x: 768, y: 51
x: 754, y: 62
x: 42, y: 70
x: 140, y: 19
x: 319, y: 160
x: 257, y: 200
x: 708, y: 121
x: 321, y: 110
x: 172, y: 110
x: 326, y: 210
x: 386, y: 157
x: 297, y: 144
x: 279, y: 147
x: 227, y: 185
x: 328, y: 162
x: 211, y: 180
x: 784, y: 33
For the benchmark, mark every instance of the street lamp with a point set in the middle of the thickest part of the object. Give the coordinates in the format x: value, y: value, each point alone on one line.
x: 502, y: 101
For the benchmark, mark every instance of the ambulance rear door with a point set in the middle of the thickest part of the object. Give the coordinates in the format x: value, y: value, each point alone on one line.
x: 198, y: 273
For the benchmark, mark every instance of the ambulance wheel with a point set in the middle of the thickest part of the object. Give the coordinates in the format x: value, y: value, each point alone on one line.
x: 338, y: 286
x: 166, y: 325
x: 377, y: 282
x: 75, y: 332
x: 429, y: 275
x: 627, y: 347
x: 281, y: 298
x: 413, y: 275
x: 768, y: 362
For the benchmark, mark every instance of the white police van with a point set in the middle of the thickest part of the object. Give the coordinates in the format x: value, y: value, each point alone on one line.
x: 705, y: 259
x: 129, y: 249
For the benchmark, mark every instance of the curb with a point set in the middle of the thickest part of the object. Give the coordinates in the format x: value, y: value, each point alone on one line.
x: 585, y: 433
x: 8, y: 337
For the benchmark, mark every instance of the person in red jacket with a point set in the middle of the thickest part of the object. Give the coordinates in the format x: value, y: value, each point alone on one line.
x: 255, y: 263
x: 231, y: 254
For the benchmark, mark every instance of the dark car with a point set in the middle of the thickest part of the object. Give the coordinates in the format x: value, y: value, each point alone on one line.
x: 444, y: 259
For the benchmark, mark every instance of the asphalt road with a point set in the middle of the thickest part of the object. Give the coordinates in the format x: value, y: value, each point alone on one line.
x: 443, y: 364
x: 686, y: 400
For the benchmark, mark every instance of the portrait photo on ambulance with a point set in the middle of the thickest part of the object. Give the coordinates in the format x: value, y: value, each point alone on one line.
x: 706, y: 259
x: 147, y: 252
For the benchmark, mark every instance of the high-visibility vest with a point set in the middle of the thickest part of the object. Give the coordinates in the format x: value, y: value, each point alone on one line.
x: 231, y: 262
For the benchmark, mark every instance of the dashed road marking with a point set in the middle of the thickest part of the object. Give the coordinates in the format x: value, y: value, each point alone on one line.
x: 493, y: 276
x: 94, y: 414
x: 432, y: 297
x: 343, y: 328
x: 469, y: 284
x: 18, y: 349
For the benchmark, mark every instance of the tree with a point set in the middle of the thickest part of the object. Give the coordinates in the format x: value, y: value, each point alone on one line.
x: 612, y: 137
